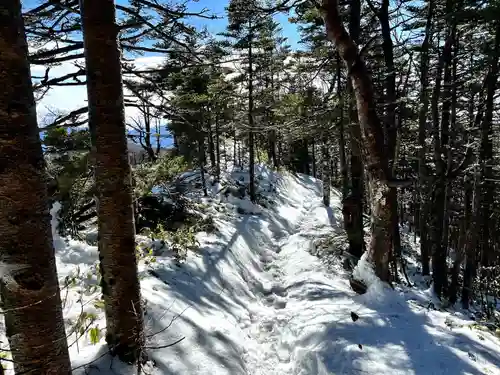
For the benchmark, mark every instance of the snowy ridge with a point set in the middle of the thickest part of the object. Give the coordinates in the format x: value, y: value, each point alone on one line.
x: 254, y: 301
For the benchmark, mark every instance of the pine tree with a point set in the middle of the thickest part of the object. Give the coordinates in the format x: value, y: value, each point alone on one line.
x: 244, y: 21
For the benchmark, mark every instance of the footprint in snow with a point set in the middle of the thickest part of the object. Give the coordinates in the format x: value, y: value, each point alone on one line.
x: 279, y: 290
x: 267, y: 325
x: 276, y: 301
x: 266, y: 257
x: 270, y: 299
x: 280, y: 303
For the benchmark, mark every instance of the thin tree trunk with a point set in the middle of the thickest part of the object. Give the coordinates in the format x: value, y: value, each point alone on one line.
x: 147, y: 134
x: 342, y: 157
x: 373, y: 141
x: 326, y: 172
x: 211, y: 143
x: 458, y: 238
x: 471, y: 242
x: 29, y: 288
x: 251, y: 145
x: 120, y: 282
x: 158, y: 142
x: 422, y: 205
x: 201, y: 156
x: 313, y: 154
x: 272, y: 134
x: 463, y: 240
x: 235, y: 149
x: 217, y: 147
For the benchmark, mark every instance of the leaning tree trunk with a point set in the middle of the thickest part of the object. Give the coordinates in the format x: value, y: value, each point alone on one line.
x: 372, y: 141
x: 120, y: 283
x: 31, y: 301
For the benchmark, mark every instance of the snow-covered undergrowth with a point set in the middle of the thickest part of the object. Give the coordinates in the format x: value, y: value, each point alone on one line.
x: 253, y: 300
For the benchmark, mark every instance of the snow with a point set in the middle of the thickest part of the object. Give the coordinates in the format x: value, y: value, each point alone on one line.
x: 253, y: 300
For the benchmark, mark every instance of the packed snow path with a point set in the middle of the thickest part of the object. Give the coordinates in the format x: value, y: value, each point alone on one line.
x: 254, y: 301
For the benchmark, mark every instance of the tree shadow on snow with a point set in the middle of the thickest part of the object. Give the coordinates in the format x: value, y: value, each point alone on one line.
x: 397, y: 338
x: 198, y: 354
x: 204, y: 286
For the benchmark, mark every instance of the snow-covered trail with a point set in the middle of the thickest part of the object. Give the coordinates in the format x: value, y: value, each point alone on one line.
x: 254, y: 301
x: 269, y: 326
x: 307, y: 326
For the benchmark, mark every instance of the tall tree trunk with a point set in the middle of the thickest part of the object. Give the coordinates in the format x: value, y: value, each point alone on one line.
x: 251, y: 143
x: 486, y: 156
x: 120, y: 282
x: 31, y: 301
x: 342, y: 155
x: 440, y: 141
x: 470, y: 246
x: 353, y: 203
x: 390, y: 118
x: 422, y: 205
x: 372, y: 141
x: 457, y: 245
x: 272, y: 134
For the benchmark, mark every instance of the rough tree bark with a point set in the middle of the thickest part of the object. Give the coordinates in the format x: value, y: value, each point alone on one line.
x: 31, y: 301
x: 120, y: 283
x: 352, y: 207
x: 372, y: 140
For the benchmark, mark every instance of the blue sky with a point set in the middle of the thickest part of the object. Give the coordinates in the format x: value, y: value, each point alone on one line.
x: 215, y: 26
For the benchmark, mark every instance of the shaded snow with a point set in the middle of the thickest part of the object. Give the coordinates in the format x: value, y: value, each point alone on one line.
x: 253, y: 300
